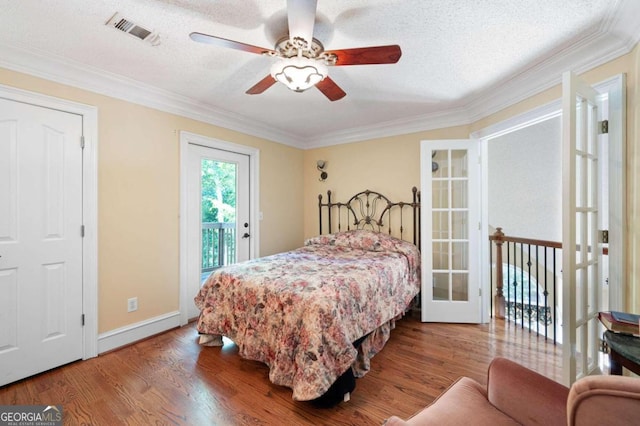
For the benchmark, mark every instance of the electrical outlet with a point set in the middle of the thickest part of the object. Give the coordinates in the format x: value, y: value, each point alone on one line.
x: 132, y: 304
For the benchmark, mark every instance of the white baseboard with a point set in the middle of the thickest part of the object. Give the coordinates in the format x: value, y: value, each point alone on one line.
x: 132, y: 333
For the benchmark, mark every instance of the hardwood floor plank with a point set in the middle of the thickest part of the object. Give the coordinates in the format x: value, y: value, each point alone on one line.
x: 171, y: 380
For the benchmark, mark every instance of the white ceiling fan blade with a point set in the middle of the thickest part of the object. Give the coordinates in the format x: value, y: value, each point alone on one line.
x: 302, y: 16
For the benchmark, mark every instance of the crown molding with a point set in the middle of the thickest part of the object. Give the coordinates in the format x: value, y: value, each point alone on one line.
x: 589, y: 53
x: 594, y: 51
x: 616, y: 36
x: 438, y: 120
x: 72, y: 73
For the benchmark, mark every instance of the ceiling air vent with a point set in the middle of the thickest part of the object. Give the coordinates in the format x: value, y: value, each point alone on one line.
x: 123, y: 24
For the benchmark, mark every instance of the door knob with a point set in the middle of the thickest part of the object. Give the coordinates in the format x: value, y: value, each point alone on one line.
x: 246, y: 235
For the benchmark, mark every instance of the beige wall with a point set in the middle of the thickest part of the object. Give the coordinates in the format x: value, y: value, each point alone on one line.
x: 139, y: 186
x: 139, y: 200
x: 391, y: 165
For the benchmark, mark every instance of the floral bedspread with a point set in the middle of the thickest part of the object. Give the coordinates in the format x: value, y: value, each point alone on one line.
x: 299, y: 311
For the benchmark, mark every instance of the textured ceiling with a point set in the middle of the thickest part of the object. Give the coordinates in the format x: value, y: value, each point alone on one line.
x: 461, y: 59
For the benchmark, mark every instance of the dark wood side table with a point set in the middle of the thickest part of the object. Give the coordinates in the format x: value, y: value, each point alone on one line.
x: 624, y: 351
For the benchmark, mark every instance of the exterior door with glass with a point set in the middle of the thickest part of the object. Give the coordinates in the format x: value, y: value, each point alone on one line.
x: 218, y: 231
x: 450, y: 218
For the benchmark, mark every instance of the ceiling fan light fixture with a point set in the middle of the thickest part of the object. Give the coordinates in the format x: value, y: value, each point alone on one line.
x: 299, y: 73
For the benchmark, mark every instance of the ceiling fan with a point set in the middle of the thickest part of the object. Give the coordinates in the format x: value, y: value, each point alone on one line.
x: 302, y: 60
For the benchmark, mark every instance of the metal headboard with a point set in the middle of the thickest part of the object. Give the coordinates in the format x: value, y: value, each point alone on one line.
x: 370, y: 210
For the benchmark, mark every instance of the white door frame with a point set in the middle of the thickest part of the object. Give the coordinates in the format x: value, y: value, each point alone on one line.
x: 617, y: 166
x: 89, y: 116
x: 254, y: 202
x: 616, y: 86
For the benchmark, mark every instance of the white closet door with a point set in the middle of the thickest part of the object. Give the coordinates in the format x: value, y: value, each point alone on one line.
x: 40, y: 239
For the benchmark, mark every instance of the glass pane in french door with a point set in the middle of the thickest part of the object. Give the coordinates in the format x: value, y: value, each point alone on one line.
x: 218, y: 188
x: 450, y: 213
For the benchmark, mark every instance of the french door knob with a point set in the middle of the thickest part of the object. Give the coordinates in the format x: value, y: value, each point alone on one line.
x: 246, y: 235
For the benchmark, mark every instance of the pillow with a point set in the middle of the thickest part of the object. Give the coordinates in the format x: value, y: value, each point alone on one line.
x: 362, y: 239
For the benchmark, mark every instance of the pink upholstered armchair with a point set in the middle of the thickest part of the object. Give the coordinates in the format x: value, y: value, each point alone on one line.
x: 516, y: 395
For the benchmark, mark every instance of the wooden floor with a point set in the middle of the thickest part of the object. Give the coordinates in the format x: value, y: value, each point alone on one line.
x: 170, y: 379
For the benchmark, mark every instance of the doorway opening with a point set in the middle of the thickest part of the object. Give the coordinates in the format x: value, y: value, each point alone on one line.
x: 541, y: 121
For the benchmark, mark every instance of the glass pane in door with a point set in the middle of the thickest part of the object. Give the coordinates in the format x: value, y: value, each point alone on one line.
x: 459, y: 225
x: 450, y: 236
x: 439, y: 194
x: 459, y: 194
x: 440, y: 224
x: 440, y: 286
x: 218, y: 186
x: 460, y: 291
x: 440, y: 255
x: 459, y: 163
x: 450, y: 212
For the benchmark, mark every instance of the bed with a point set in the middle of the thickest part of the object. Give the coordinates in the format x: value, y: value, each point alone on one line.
x: 319, y: 312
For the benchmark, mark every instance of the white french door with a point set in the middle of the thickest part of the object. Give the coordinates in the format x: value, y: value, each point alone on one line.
x: 582, y: 250
x: 41, y: 247
x: 218, y: 225
x: 450, y: 221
